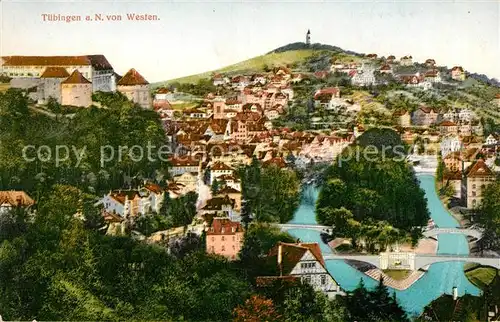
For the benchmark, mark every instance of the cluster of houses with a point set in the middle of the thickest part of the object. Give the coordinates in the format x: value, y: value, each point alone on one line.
x: 71, y: 80
x: 364, y: 72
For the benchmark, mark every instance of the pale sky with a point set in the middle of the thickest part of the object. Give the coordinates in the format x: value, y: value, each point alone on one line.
x: 193, y: 37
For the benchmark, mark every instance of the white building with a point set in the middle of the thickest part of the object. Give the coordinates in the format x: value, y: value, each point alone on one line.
x: 219, y: 169
x: 133, y: 203
x: 95, y: 68
x: 450, y: 144
x: 303, y: 262
x: 465, y: 115
x: 491, y: 140
x: 364, y: 77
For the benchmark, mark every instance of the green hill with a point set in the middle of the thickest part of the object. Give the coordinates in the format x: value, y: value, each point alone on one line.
x: 255, y: 64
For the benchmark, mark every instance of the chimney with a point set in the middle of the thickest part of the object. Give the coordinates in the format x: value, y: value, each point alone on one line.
x: 455, y: 293
x: 280, y: 258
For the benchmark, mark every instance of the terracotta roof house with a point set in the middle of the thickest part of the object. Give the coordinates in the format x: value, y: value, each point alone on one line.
x: 224, y: 237
x: 11, y: 199
x: 303, y: 261
x: 136, y: 88
x: 477, y: 177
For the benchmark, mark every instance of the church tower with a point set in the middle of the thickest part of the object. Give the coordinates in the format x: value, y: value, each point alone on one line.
x: 308, y: 37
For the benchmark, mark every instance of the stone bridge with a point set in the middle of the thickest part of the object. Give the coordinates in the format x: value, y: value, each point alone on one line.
x: 420, y: 260
x: 319, y: 228
x: 476, y: 233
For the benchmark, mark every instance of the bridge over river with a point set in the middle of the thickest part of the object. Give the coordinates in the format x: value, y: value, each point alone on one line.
x: 419, y: 260
x: 476, y: 233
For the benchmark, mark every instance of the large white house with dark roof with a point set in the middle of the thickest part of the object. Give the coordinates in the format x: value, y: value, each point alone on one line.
x: 95, y: 68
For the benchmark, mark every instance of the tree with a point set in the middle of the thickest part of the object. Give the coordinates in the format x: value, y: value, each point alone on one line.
x: 257, y: 308
x: 376, y: 305
x: 246, y: 213
x: 216, y: 185
x: 489, y: 210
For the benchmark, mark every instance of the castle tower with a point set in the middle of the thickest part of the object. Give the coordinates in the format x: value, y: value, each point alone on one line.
x: 308, y: 37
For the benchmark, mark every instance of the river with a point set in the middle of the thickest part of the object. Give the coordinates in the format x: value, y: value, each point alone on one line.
x: 439, y: 279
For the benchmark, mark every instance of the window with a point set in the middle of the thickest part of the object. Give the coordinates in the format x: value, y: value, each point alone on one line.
x: 308, y: 279
x: 473, y: 193
x: 222, y: 238
x: 323, y: 279
x: 473, y: 186
x: 213, y: 239
x: 234, y: 238
x: 223, y: 248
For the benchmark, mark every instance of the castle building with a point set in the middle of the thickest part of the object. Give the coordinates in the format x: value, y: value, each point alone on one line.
x: 76, y: 90
x: 95, y: 68
x: 308, y: 37
x: 136, y: 88
x: 50, y: 84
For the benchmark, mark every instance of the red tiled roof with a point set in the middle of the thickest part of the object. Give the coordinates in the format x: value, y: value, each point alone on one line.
x: 220, y: 166
x: 54, y: 72
x: 163, y: 90
x: 76, y: 78
x: 279, y: 162
x: 153, y: 188
x: 188, y: 161
x: 15, y: 198
x: 131, y: 78
x: 459, y: 68
x: 224, y: 224
x: 98, y: 62
x: 479, y: 169
x: 447, y: 123
x: 293, y: 253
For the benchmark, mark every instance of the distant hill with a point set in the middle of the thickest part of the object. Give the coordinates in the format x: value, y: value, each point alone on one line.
x: 291, y: 54
x: 256, y: 64
x: 299, y: 56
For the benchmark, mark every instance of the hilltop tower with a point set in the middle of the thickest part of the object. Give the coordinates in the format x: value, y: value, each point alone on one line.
x: 308, y: 37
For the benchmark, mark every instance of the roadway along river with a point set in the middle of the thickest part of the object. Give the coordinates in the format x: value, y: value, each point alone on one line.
x: 439, y: 279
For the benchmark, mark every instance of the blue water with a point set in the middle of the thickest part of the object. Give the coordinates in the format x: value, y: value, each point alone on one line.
x: 438, y: 280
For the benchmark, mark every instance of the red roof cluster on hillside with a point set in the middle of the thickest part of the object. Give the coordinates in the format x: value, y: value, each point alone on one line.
x: 76, y: 78
x: 54, y: 72
x: 132, y: 78
x: 99, y: 62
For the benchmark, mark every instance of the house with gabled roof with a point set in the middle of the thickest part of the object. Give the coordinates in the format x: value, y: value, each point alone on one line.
x: 136, y: 88
x: 425, y: 116
x: 406, y: 61
x: 219, y: 169
x: 12, y: 199
x: 76, y: 90
x: 224, y: 237
x: 475, y: 180
x: 458, y: 73
x: 303, y: 261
